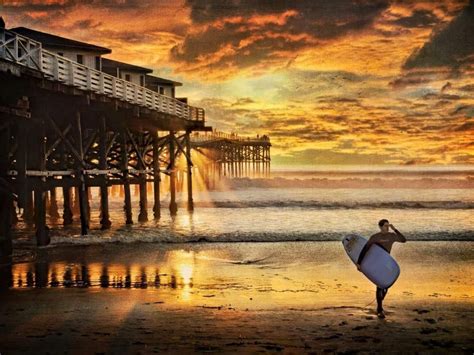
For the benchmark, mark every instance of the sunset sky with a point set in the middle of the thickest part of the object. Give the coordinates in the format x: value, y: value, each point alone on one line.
x: 331, y: 82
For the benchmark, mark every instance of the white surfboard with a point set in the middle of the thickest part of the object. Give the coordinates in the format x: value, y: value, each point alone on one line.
x: 378, y: 265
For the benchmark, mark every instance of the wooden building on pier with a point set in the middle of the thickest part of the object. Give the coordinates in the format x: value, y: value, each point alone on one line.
x: 83, y: 53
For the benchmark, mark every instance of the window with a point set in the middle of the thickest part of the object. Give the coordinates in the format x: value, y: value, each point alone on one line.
x: 142, y: 80
x: 172, y: 92
x: 80, y: 59
x: 97, y: 63
x: 162, y: 90
x: 127, y: 77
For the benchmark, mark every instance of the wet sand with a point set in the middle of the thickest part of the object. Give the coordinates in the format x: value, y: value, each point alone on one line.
x: 237, y: 297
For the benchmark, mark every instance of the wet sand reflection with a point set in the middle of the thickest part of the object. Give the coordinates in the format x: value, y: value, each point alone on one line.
x: 103, y: 275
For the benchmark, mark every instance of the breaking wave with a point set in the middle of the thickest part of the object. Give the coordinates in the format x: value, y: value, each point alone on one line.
x: 149, y: 237
x: 465, y: 182
x: 445, y: 205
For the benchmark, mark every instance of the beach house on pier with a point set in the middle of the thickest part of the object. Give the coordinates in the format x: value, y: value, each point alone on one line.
x: 162, y: 86
x: 140, y: 76
x: 90, y: 55
x: 83, y: 53
x: 132, y: 73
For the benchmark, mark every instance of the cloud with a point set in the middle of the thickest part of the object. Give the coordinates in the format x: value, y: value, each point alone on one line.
x: 418, y: 161
x: 248, y: 32
x: 419, y: 18
x: 467, y: 126
x: 243, y: 101
x: 329, y: 157
x: 453, y: 46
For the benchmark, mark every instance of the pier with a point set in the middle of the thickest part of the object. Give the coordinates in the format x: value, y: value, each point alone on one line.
x: 232, y: 155
x: 67, y: 127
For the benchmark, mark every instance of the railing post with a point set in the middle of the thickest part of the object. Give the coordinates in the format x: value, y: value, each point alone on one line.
x: 88, y: 78
x: 40, y: 57
x: 101, y: 83
x: 55, y: 68
x: 29, y: 60
x: 15, y: 49
x: 2, y: 42
x: 114, y: 86
x: 71, y: 73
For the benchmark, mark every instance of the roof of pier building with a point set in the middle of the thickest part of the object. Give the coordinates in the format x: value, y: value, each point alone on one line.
x: 157, y: 81
x: 54, y: 41
x: 110, y: 66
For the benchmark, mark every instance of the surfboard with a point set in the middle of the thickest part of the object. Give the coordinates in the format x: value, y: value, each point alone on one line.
x: 378, y: 265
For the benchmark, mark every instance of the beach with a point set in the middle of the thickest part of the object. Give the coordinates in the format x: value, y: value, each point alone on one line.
x: 257, y: 267
x: 293, y: 297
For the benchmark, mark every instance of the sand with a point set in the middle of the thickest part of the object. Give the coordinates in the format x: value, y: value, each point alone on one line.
x: 228, y: 298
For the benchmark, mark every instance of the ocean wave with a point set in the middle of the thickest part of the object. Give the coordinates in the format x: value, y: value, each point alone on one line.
x: 445, y: 205
x: 466, y: 182
x: 147, y: 236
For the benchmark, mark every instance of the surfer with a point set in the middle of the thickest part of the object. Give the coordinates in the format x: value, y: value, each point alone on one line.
x: 385, y: 240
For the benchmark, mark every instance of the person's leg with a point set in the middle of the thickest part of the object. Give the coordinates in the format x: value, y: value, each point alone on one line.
x: 379, y: 295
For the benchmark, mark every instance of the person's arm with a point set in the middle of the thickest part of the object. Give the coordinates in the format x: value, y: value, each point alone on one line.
x: 400, y: 237
x: 364, y: 250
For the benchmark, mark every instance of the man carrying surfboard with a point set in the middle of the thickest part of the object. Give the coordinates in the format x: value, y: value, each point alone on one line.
x: 385, y: 240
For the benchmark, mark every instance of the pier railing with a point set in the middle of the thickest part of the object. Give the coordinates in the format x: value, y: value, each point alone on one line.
x: 199, y: 137
x: 29, y: 53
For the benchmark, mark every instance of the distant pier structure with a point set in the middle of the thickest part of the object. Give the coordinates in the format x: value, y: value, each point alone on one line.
x: 232, y: 155
x: 71, y: 120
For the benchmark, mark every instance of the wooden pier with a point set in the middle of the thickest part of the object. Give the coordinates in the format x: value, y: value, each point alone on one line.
x: 232, y: 155
x: 70, y: 127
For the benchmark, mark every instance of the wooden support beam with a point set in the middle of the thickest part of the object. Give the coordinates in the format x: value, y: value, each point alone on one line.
x: 6, y: 198
x: 83, y: 210
x: 67, y: 212
x: 75, y: 153
x: 156, y: 175
x: 126, y: 183
x: 39, y: 161
x: 189, y: 177
x: 173, y: 206
x: 28, y: 211
x: 141, y: 160
x: 66, y: 183
x: 143, y: 215
x: 104, y: 193
x: 21, y: 162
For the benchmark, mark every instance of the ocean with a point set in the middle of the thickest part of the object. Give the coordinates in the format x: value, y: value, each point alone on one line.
x: 297, y: 205
x: 287, y: 226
